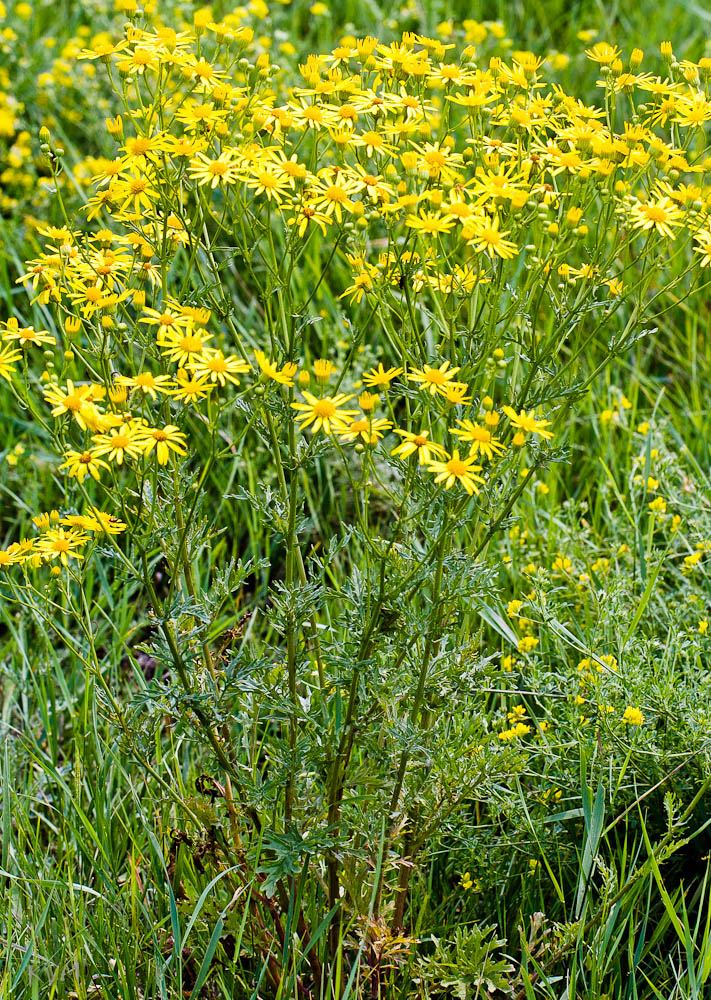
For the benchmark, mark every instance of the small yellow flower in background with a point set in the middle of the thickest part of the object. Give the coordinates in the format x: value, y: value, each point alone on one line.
x: 469, y: 884
x: 609, y: 661
x: 562, y: 564
x: 703, y: 627
x: 632, y: 716
x: 527, y: 643
x: 515, y: 732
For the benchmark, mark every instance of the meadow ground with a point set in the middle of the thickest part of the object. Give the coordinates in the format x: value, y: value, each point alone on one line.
x: 356, y: 511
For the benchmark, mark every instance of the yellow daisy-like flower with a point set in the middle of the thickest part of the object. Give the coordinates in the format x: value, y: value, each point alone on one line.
x: 453, y: 469
x: 418, y: 444
x: 480, y: 439
x: 370, y: 431
x: 8, y: 357
x: 284, y: 375
x: 435, y: 380
x: 164, y: 440
x: 190, y: 390
x: 221, y: 170
x: 527, y: 422
x: 219, y: 368
x: 81, y: 464
x: 489, y: 240
x: 183, y: 346
x: 146, y: 382
x: 120, y: 443
x: 75, y: 400
x: 662, y: 216
x: 57, y: 543
x: 326, y: 413
x: 97, y: 521
x: 27, y: 335
x: 379, y: 378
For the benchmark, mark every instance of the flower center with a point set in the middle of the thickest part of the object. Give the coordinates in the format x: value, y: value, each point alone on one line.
x: 324, y: 408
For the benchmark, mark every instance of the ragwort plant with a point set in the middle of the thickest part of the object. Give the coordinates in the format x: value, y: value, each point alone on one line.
x: 314, y: 336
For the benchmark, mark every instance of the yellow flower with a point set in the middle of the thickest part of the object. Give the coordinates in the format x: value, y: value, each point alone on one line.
x: 633, y: 716
x: 97, y: 521
x: 430, y: 223
x: 369, y: 430
x: 489, y: 240
x: 418, y: 444
x: 183, y: 345
x: 80, y: 464
x: 527, y: 422
x: 453, y: 469
x: 326, y: 413
x: 120, y: 443
x: 434, y: 380
x: 323, y: 368
x: 480, y: 438
x: 190, y: 390
x: 603, y: 53
x: 76, y: 400
x: 285, y: 376
x: 28, y: 336
x: 214, y: 365
x: 57, y: 543
x: 221, y: 170
x: 147, y: 383
x: 8, y: 358
x: 163, y: 440
x: 662, y: 216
